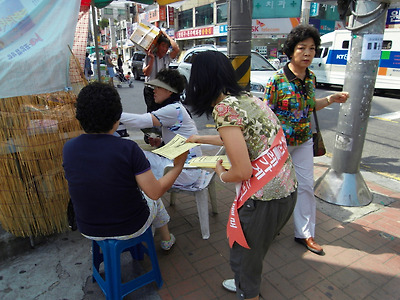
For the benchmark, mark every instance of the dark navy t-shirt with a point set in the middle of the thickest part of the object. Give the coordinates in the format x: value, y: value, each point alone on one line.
x: 100, y: 170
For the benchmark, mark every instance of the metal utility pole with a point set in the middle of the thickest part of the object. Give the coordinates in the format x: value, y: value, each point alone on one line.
x: 305, y: 12
x: 96, y: 42
x: 343, y: 183
x: 239, y: 38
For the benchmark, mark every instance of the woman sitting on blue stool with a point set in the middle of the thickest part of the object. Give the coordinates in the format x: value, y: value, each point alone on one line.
x: 107, y: 174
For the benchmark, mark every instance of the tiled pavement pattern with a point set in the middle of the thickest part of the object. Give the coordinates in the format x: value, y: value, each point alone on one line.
x: 362, y: 256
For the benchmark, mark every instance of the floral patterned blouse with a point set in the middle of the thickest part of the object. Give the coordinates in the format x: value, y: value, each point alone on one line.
x: 293, y: 101
x: 259, y: 126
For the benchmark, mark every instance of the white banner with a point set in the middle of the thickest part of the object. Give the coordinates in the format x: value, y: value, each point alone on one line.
x: 34, y: 39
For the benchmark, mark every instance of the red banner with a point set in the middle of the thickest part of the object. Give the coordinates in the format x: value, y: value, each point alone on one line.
x: 171, y: 18
x: 162, y: 13
x: 265, y: 167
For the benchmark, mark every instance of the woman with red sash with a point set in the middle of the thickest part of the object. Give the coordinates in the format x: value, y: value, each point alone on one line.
x: 261, y: 166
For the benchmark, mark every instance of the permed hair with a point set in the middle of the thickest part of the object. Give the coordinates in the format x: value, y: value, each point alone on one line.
x: 212, y: 74
x: 98, y: 107
x: 299, y: 34
x: 173, y: 78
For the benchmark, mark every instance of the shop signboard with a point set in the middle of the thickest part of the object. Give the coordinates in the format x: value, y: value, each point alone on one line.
x: 314, y: 9
x: 273, y: 26
x: 276, y: 9
x: 393, y: 16
x: 194, y: 33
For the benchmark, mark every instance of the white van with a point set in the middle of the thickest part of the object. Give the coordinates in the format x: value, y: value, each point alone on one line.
x: 330, y: 61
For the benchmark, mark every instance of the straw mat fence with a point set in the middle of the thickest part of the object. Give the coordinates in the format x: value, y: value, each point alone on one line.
x: 33, y: 191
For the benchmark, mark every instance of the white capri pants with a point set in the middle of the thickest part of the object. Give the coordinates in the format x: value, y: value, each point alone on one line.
x: 305, y: 209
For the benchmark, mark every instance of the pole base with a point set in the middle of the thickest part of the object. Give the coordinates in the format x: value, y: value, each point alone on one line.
x: 342, y: 189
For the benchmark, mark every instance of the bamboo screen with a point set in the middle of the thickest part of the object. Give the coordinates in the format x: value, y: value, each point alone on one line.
x: 33, y: 190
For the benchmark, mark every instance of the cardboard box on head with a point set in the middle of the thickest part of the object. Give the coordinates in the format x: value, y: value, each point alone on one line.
x: 145, y: 36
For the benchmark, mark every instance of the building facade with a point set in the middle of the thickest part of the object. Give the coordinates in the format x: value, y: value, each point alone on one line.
x: 196, y: 22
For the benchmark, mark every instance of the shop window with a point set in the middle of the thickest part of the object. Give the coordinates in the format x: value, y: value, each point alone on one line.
x: 185, y: 19
x: 222, y: 13
x: 108, y: 11
x: 322, y: 52
x: 204, y: 15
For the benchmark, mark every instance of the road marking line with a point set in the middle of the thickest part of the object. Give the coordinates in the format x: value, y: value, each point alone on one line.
x: 369, y: 169
x: 388, y: 117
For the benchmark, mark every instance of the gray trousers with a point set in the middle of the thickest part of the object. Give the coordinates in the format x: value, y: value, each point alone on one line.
x: 261, y: 221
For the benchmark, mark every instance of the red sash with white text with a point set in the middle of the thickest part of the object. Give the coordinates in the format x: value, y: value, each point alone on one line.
x: 265, y: 167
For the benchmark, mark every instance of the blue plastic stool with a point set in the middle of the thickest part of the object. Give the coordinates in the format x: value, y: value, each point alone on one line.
x: 111, y: 256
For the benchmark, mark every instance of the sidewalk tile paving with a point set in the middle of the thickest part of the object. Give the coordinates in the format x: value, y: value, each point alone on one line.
x: 362, y: 258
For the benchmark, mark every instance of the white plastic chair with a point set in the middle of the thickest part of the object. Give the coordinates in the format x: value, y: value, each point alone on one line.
x: 204, y: 190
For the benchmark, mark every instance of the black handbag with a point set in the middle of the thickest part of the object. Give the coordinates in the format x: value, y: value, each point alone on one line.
x: 318, y: 147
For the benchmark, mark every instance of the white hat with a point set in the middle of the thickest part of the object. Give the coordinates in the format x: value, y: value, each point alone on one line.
x: 159, y: 83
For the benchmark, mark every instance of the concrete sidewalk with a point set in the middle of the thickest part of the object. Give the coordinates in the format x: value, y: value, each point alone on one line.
x: 362, y: 258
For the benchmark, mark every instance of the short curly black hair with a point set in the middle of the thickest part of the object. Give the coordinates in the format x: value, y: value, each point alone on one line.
x: 98, y: 107
x: 173, y: 78
x: 163, y: 39
x: 299, y: 34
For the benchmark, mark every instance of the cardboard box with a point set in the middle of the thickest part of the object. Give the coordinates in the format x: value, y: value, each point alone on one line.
x: 145, y: 36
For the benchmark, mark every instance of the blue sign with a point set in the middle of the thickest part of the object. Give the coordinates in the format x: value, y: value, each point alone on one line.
x: 314, y: 9
x: 315, y: 23
x: 390, y: 59
x: 393, y: 16
x: 223, y: 28
x: 337, y: 57
x: 276, y: 9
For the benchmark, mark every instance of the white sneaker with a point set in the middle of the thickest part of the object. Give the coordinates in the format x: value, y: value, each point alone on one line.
x: 230, y: 285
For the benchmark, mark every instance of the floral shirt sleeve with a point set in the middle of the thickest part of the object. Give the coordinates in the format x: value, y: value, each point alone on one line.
x: 259, y: 126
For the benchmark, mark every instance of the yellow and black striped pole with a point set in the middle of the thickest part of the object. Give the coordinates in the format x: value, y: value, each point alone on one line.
x: 239, y: 39
x: 242, y: 66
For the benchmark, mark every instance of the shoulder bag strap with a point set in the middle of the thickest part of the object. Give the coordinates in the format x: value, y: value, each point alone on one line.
x: 316, y: 120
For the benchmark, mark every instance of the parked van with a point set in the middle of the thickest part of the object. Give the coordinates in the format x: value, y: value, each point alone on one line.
x: 330, y: 61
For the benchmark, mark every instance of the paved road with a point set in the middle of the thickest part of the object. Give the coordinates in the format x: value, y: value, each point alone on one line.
x: 381, y: 150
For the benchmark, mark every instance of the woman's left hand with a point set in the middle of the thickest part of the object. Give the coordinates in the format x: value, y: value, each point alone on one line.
x: 219, y: 169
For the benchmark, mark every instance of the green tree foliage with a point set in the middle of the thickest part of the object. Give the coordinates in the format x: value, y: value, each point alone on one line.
x: 103, y: 23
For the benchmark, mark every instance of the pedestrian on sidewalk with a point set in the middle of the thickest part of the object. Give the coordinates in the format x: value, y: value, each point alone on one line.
x: 87, y: 67
x: 156, y: 60
x: 261, y: 166
x: 107, y: 174
x: 291, y: 95
x: 110, y: 67
x: 120, y: 63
